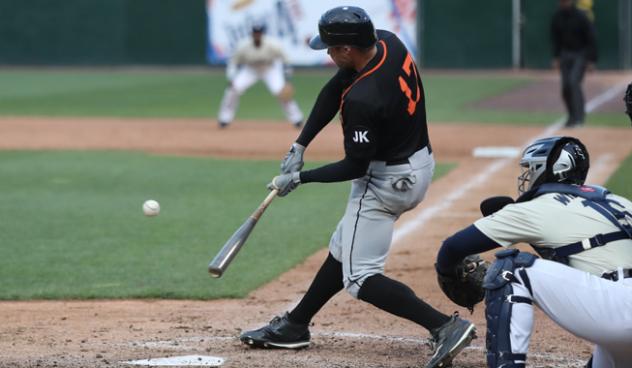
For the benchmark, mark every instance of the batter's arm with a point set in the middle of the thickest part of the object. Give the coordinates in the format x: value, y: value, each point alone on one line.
x: 325, y: 108
x: 343, y: 170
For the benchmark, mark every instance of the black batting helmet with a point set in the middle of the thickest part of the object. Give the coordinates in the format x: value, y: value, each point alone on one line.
x: 344, y: 25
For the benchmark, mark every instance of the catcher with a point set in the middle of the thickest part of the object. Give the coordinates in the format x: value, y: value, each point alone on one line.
x: 584, y: 282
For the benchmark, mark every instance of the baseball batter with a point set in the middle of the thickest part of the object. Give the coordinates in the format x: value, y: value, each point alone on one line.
x: 259, y: 58
x: 380, y: 96
x: 584, y: 282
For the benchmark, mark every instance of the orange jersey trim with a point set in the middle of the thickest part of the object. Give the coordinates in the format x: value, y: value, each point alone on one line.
x: 367, y: 73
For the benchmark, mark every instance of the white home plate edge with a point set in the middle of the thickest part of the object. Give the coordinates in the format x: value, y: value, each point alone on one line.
x: 187, y: 360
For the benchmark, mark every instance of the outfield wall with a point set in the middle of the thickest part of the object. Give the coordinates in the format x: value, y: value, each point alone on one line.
x: 450, y: 33
x: 478, y: 34
x: 102, y: 32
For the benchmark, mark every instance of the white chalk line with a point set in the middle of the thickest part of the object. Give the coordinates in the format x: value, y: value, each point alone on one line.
x: 194, y: 341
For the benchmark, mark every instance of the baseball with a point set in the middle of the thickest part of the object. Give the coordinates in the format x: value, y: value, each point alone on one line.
x: 151, y: 208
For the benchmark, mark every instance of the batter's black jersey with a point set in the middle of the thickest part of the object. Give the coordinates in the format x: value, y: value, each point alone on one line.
x: 383, y: 109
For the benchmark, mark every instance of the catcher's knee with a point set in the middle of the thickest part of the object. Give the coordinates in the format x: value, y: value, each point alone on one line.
x: 499, y: 301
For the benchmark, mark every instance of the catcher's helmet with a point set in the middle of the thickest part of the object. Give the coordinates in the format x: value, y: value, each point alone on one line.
x: 344, y: 25
x: 553, y: 160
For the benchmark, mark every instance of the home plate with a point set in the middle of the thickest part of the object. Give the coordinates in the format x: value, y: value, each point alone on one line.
x: 187, y: 360
x: 494, y: 152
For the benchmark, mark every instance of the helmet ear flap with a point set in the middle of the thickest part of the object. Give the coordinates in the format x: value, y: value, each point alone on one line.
x: 579, y: 172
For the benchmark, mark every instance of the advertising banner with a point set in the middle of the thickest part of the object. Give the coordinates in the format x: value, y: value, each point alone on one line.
x: 294, y: 22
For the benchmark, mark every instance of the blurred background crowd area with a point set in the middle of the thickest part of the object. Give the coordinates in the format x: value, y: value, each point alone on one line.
x: 461, y: 34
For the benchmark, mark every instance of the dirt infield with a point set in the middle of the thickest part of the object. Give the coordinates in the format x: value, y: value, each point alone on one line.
x: 347, y: 333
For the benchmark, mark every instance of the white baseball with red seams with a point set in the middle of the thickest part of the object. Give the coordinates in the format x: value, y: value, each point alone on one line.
x: 151, y: 207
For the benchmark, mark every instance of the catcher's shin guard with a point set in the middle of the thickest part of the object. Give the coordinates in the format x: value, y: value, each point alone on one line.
x: 499, y: 300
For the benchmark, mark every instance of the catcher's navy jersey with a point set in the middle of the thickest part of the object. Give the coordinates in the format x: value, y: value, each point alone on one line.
x: 383, y: 109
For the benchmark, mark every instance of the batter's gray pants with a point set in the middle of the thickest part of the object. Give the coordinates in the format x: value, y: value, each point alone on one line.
x: 363, y: 237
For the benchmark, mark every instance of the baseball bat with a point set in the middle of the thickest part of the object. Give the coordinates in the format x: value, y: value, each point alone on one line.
x: 230, y: 249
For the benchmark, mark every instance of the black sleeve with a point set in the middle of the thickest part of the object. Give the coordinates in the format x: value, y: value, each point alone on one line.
x: 343, y: 170
x: 325, y: 108
x: 460, y: 245
x: 359, y: 125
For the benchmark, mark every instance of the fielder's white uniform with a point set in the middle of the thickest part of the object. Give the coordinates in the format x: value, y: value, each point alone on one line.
x: 575, y: 297
x: 249, y: 64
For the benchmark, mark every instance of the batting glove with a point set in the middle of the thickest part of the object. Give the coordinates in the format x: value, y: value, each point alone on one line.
x: 293, y: 160
x: 285, y: 183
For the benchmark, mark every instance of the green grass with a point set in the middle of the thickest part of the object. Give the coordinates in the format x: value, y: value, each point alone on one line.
x: 71, y: 225
x: 197, y: 93
x: 620, y: 182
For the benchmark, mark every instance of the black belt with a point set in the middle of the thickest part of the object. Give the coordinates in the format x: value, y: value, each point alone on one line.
x: 405, y: 160
x: 397, y: 162
x: 614, y: 275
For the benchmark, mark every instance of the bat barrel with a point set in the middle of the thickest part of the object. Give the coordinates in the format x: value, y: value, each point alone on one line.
x: 221, y: 261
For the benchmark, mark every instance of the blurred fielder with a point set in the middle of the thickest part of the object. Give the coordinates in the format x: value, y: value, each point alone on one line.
x: 574, y: 52
x: 584, y: 281
x: 258, y: 58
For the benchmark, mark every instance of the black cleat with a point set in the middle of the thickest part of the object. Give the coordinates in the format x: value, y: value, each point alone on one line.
x: 449, y: 340
x: 279, y: 333
x: 222, y: 124
x: 298, y: 124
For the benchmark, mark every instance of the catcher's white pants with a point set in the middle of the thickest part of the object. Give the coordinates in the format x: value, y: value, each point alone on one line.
x: 245, y: 77
x: 592, y: 308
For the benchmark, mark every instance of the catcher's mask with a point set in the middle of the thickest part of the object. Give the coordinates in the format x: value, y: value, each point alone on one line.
x: 553, y: 160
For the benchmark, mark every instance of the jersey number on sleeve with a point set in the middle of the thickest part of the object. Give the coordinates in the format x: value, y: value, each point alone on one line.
x: 409, y: 67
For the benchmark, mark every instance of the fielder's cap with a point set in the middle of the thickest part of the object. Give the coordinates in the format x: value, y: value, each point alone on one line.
x: 344, y: 25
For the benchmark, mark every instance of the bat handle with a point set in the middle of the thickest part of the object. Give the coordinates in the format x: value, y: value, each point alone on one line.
x: 262, y: 207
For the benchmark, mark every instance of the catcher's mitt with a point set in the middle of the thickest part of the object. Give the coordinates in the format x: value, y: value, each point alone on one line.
x: 628, y: 101
x: 465, y: 285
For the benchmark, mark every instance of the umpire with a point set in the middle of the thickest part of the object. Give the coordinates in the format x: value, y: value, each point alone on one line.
x: 574, y: 51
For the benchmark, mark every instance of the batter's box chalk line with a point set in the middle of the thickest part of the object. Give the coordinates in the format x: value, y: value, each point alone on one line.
x: 539, y: 359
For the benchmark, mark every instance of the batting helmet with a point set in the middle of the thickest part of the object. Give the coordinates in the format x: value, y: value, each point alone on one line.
x: 553, y: 160
x: 344, y: 25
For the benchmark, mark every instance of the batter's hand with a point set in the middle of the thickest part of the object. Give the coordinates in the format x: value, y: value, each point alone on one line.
x: 293, y: 160
x: 285, y: 183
